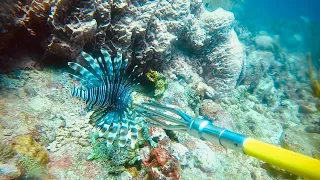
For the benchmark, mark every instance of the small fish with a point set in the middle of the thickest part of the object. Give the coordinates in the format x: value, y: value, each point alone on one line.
x: 106, y: 89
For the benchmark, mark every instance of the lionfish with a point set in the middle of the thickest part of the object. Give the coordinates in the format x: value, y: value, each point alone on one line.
x: 106, y: 89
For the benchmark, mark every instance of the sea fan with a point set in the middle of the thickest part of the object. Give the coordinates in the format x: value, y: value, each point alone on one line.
x: 106, y: 89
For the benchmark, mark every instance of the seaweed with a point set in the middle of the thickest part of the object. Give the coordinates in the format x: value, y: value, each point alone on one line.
x: 32, y: 168
x: 115, y: 158
x: 315, y: 83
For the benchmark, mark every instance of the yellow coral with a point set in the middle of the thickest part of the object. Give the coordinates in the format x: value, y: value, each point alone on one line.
x: 25, y: 145
x: 159, y: 80
x: 152, y: 75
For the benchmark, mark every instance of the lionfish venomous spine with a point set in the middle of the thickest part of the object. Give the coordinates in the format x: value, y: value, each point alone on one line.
x: 106, y: 89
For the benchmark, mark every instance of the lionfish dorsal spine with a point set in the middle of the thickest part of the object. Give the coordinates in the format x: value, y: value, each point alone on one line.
x: 109, y: 66
x: 94, y: 64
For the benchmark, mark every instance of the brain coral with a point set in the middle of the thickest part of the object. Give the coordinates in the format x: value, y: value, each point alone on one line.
x: 213, y: 41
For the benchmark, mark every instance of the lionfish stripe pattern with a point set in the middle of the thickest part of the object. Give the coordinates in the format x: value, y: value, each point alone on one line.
x: 107, y: 90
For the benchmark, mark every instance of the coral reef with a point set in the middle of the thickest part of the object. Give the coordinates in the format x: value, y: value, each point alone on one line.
x: 291, y: 141
x: 9, y: 172
x: 73, y: 25
x: 315, y: 83
x: 6, y: 152
x: 159, y: 81
x: 149, y: 32
x: 200, y: 59
x: 212, y: 5
x: 32, y: 168
x: 314, y: 128
x: 115, y: 157
x: 25, y: 145
x: 264, y: 42
x: 161, y: 165
x: 23, y: 34
x: 215, y: 45
x: 258, y: 67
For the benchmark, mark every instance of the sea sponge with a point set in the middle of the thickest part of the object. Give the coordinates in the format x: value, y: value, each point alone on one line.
x: 25, y: 145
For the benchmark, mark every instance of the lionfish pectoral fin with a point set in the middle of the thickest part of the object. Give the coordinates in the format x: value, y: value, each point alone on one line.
x: 124, y: 130
x: 97, y: 115
x: 113, y: 130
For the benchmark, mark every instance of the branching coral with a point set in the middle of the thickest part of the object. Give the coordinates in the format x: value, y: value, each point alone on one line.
x: 159, y: 80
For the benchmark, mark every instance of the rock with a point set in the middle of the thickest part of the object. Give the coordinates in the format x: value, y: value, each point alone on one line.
x: 8, y: 171
x: 297, y: 140
x: 157, y: 134
x: 209, y: 109
x: 207, y: 158
x: 212, y: 38
x: 307, y: 108
x: 181, y: 153
x: 264, y: 42
x: 125, y: 176
x: 266, y: 92
x: 259, y: 62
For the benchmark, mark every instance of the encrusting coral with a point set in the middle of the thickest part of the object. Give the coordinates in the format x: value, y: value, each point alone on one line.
x: 26, y: 146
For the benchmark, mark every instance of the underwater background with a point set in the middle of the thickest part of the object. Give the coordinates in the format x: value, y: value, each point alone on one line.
x: 250, y: 66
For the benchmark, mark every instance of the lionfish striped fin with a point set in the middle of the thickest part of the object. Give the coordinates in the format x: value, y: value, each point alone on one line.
x: 107, y: 59
x: 103, y: 68
x: 97, y: 115
x: 113, y: 131
x: 76, y: 92
x: 85, y: 74
x: 117, y: 61
x: 82, y: 81
x: 94, y: 64
x: 133, y: 129
x: 123, y: 132
x: 106, y: 122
